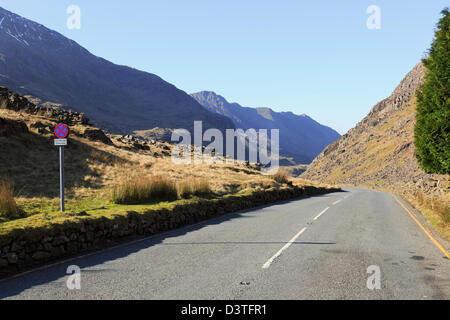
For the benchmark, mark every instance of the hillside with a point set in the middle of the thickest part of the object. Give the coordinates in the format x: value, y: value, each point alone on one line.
x: 380, y: 153
x: 42, y: 63
x: 301, y: 138
x: 95, y: 161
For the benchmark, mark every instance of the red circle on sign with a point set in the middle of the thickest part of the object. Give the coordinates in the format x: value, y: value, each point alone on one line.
x: 61, y: 131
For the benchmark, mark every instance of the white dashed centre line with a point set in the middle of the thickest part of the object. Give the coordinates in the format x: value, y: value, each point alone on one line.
x: 317, y: 217
x: 287, y: 245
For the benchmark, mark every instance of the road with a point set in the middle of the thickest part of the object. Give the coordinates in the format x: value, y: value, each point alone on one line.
x: 292, y: 250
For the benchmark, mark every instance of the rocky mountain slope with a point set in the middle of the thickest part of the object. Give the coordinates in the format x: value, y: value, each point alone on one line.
x: 301, y: 137
x: 379, y: 152
x: 95, y: 160
x: 42, y: 63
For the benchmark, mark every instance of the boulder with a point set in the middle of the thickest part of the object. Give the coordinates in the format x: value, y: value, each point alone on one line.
x: 97, y: 135
x: 41, y: 128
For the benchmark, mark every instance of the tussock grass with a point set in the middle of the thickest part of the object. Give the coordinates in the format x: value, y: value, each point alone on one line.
x: 145, y: 190
x: 97, y: 173
x: 193, y: 187
x: 281, y: 176
x: 436, y: 204
x: 442, y: 208
x: 8, y: 206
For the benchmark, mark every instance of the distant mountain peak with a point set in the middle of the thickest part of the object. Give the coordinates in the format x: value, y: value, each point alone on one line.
x: 301, y: 137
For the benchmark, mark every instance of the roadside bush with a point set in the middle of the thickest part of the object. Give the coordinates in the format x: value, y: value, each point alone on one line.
x: 145, y: 190
x: 281, y: 177
x: 8, y: 206
x: 193, y: 187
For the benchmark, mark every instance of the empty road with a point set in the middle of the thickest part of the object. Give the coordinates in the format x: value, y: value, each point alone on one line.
x: 322, y: 247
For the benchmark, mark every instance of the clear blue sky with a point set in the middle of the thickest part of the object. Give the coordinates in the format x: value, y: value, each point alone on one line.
x: 314, y: 57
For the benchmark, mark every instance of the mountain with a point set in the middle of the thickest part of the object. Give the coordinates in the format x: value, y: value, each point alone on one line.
x: 301, y: 138
x: 42, y: 63
x: 380, y: 153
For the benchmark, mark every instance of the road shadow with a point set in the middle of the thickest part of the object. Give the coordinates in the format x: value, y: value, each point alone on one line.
x: 241, y: 242
x: 44, y: 274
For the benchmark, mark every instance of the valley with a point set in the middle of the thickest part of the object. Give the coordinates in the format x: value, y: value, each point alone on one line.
x: 174, y: 195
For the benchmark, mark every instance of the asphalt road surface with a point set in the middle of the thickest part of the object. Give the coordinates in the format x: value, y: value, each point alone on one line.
x: 322, y: 247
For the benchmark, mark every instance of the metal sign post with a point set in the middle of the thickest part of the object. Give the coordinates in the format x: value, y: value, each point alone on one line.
x: 61, y: 132
x: 61, y: 177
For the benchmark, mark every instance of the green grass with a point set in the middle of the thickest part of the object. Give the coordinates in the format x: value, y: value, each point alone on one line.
x: 72, y: 205
x: 108, y: 210
x: 95, y: 209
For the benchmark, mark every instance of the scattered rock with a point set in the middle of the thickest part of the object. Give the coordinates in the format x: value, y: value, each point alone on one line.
x: 15, y: 102
x: 97, y: 135
x: 41, y: 128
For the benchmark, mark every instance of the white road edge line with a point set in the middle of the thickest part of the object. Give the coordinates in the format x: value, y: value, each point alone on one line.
x: 336, y: 202
x: 276, y: 255
x: 317, y: 217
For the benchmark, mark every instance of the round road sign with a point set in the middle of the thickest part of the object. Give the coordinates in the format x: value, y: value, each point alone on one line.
x: 61, y: 131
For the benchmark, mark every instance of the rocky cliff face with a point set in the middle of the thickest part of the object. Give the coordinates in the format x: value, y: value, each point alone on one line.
x: 42, y: 63
x: 379, y: 152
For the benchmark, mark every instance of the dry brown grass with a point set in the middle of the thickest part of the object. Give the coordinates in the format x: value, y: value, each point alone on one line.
x: 442, y: 208
x: 145, y: 190
x: 281, y: 176
x: 8, y: 206
x: 434, y: 203
x: 193, y: 187
x: 94, y: 171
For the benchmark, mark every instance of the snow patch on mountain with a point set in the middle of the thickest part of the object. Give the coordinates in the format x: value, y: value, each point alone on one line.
x: 27, y: 32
